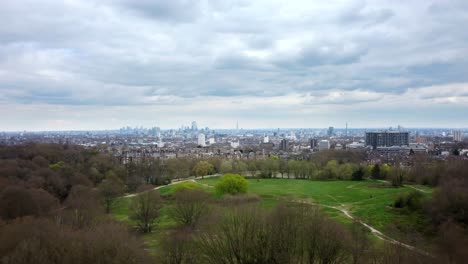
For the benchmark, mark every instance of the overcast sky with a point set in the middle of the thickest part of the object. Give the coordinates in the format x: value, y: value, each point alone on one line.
x: 101, y: 64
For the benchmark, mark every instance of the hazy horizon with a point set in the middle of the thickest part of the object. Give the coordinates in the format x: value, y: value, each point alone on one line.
x: 97, y: 65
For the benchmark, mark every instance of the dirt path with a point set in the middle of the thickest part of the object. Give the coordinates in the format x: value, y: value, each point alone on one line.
x: 173, y: 183
x: 417, y: 189
x: 373, y: 230
x: 407, y: 185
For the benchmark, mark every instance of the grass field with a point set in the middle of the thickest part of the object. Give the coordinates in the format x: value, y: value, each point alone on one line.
x: 368, y: 200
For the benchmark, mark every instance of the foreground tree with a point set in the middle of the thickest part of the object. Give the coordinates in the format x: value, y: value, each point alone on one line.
x: 18, y: 201
x: 178, y: 248
x: 144, y: 209
x: 111, y: 188
x: 189, y: 206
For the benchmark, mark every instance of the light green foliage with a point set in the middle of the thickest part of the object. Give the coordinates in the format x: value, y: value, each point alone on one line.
x: 385, y: 170
x: 240, y: 167
x: 203, y: 168
x: 231, y: 184
x: 186, y: 186
x: 57, y: 165
x: 331, y: 170
x: 226, y: 166
x: 346, y: 171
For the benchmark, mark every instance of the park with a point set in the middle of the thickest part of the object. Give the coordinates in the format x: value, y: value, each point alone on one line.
x: 368, y: 203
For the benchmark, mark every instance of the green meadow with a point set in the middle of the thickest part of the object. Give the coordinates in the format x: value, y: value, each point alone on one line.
x: 369, y: 201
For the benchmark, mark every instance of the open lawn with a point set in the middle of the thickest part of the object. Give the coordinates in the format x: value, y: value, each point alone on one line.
x: 370, y: 201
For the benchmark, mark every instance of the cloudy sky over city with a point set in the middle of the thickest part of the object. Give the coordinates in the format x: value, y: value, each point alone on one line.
x: 101, y: 64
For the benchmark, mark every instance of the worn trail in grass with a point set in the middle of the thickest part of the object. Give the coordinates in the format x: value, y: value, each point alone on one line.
x: 368, y: 200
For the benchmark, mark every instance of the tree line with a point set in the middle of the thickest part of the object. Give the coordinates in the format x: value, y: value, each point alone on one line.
x: 67, y: 191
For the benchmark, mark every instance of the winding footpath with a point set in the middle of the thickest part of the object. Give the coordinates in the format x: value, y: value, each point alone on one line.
x: 171, y: 183
x: 372, y: 229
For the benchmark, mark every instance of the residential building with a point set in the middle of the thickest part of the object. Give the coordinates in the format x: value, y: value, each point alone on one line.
x: 324, y: 145
x: 387, y: 139
x: 457, y: 136
x: 201, y: 140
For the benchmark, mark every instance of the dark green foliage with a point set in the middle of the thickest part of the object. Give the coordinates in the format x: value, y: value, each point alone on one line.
x: 358, y: 175
x: 375, y: 173
x: 413, y: 201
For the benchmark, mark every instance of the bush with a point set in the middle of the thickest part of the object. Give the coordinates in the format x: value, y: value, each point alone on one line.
x: 412, y: 201
x: 234, y: 200
x: 231, y: 184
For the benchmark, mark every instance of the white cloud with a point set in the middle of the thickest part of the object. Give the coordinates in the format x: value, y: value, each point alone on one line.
x: 275, y: 60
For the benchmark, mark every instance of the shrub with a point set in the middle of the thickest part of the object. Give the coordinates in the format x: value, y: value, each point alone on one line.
x: 412, y: 201
x: 234, y: 200
x: 231, y: 184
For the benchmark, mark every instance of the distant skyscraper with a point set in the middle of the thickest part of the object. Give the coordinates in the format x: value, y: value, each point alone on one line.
x: 330, y: 131
x: 194, y: 126
x: 313, y: 143
x: 266, y: 139
x: 457, y: 136
x: 284, y: 144
x: 201, y: 140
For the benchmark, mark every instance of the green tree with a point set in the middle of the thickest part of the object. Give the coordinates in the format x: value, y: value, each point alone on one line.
x: 231, y: 184
x: 203, y: 168
x: 375, y: 173
x: 226, y: 166
x: 331, y: 169
x: 358, y: 174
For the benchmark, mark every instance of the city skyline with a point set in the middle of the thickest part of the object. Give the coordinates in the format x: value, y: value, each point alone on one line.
x: 96, y: 65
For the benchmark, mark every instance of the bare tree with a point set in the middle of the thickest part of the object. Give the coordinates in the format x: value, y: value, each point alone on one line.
x: 189, y: 206
x: 144, y: 209
x: 111, y: 188
x: 178, y: 247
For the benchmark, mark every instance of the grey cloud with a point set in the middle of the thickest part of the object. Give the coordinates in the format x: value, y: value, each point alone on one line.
x: 359, y: 14
x: 131, y: 53
x: 174, y: 10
